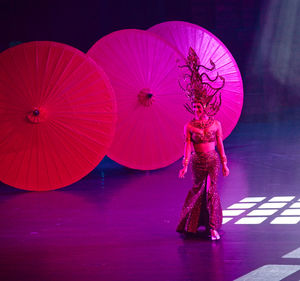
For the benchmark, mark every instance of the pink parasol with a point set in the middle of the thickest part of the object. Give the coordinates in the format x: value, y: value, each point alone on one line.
x: 144, y: 74
x: 57, y: 115
x: 208, y: 47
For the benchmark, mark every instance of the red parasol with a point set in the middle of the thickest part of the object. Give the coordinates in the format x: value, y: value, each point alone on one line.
x: 184, y: 35
x: 57, y: 115
x: 144, y: 74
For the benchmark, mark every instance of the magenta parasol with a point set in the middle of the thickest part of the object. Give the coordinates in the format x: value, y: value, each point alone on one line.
x: 57, y: 115
x: 183, y: 35
x: 144, y: 74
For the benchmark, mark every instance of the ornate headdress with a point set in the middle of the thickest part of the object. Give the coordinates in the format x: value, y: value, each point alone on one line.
x: 199, y: 87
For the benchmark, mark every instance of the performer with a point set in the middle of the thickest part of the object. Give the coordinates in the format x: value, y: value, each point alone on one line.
x: 202, y: 205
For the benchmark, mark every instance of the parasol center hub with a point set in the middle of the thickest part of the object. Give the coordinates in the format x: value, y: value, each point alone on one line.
x: 145, y: 97
x: 37, y: 115
x: 36, y: 112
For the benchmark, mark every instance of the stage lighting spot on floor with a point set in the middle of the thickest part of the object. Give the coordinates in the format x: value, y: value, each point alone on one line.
x: 251, y: 220
x: 295, y: 254
x: 248, y: 211
x: 282, y: 199
x: 242, y: 206
x: 295, y: 205
x: 274, y: 272
x: 272, y: 205
x: 262, y: 212
x: 286, y: 220
x: 225, y: 220
x: 253, y: 199
x: 291, y: 212
x: 232, y: 212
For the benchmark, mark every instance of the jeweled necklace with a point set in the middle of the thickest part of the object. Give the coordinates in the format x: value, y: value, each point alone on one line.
x: 203, y: 124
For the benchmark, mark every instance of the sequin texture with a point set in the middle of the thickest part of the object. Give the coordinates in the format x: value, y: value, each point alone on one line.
x: 206, y: 135
x: 202, y: 205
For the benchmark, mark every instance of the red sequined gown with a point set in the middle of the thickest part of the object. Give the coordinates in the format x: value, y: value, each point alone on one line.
x: 202, y: 205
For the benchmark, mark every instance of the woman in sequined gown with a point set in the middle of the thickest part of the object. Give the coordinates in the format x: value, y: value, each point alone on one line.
x: 202, y: 205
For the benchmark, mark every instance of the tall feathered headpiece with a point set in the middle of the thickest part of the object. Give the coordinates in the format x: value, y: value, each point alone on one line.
x: 199, y: 87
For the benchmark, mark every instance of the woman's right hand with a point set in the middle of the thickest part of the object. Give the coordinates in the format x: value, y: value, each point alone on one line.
x: 182, y: 172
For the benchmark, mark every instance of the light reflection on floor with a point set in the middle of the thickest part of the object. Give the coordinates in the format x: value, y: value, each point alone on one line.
x: 274, y: 272
x: 265, y: 211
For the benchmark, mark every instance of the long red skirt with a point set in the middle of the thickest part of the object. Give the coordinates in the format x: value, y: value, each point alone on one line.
x: 202, y: 205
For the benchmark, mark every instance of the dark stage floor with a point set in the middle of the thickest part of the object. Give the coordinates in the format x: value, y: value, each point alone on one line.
x: 119, y: 224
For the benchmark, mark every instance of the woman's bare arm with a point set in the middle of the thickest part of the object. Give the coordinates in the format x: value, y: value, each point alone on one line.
x: 187, y: 145
x: 187, y: 151
x: 221, y: 150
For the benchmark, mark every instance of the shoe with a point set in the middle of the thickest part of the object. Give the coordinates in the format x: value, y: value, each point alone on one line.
x: 214, y: 235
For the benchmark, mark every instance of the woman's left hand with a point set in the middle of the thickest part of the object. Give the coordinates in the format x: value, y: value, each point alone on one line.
x: 225, y: 170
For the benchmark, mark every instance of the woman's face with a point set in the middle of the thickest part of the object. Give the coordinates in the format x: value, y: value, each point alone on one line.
x: 198, y: 109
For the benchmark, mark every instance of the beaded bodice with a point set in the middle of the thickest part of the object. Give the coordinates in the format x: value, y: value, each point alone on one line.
x: 200, y: 135
x: 208, y: 136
